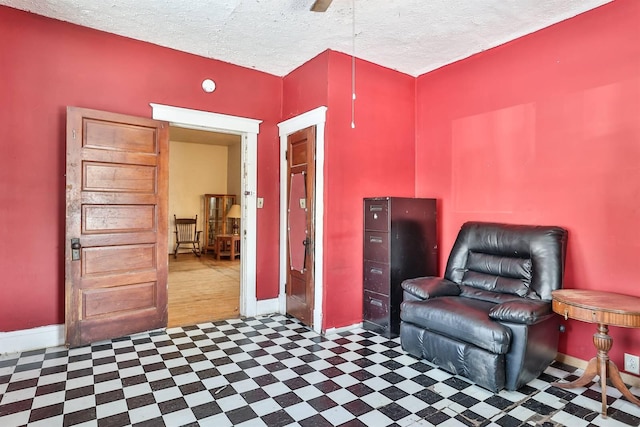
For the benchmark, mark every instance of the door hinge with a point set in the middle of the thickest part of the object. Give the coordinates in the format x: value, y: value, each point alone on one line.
x: 73, y: 134
x: 286, y: 154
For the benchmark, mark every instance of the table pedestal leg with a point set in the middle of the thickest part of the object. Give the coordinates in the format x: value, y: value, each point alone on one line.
x: 604, y: 368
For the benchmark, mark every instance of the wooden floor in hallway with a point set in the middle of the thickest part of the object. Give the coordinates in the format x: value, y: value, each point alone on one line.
x: 202, y: 289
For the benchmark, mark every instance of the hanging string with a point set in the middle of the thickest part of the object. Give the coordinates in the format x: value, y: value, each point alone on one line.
x: 353, y: 65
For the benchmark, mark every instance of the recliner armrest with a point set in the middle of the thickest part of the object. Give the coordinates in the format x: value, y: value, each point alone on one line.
x: 526, y: 311
x: 430, y: 287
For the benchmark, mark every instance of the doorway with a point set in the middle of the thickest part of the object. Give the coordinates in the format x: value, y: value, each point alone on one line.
x: 248, y: 130
x: 301, y: 147
x: 316, y: 118
x: 206, y: 287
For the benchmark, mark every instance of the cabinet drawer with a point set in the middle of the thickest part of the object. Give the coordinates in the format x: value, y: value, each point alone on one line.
x: 376, y: 309
x: 376, y: 246
x: 376, y: 277
x: 376, y: 214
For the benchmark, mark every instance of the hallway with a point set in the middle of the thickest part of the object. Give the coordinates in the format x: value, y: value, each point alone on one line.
x: 202, y: 289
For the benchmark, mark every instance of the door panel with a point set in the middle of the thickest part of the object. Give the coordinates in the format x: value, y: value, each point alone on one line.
x: 110, y: 301
x: 301, y: 230
x: 101, y: 219
x: 117, y: 210
x: 134, y: 139
x: 118, y: 260
x: 119, y: 178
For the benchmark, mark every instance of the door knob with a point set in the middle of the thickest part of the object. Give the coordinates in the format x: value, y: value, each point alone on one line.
x: 75, y: 249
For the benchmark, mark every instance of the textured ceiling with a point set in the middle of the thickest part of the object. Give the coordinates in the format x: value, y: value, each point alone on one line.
x: 276, y: 36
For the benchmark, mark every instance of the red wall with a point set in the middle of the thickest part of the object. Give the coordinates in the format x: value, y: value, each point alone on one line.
x: 48, y: 65
x: 305, y: 88
x: 374, y: 159
x: 546, y: 130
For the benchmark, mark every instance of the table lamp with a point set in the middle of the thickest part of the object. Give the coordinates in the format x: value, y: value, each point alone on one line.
x: 235, y: 214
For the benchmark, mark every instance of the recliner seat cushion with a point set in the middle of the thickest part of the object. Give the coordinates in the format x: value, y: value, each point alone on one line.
x: 464, y: 319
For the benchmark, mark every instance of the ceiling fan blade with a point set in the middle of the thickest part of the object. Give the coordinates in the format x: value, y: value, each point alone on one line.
x: 320, y: 5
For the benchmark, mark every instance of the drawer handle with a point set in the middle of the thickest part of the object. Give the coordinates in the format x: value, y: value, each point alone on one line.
x: 374, y: 239
x: 376, y: 271
x: 375, y: 208
x: 376, y: 302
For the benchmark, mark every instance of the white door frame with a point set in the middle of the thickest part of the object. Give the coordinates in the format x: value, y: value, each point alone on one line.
x: 316, y: 117
x: 248, y: 129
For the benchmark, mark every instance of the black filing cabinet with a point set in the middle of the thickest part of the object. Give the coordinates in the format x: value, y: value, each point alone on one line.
x: 399, y: 243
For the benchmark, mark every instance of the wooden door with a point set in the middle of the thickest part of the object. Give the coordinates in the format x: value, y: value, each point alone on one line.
x: 116, y: 225
x: 300, y: 225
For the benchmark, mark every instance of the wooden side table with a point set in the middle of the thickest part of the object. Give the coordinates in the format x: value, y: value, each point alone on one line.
x: 605, y: 309
x: 224, y: 241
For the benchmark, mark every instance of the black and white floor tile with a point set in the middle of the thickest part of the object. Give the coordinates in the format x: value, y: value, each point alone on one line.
x: 273, y: 371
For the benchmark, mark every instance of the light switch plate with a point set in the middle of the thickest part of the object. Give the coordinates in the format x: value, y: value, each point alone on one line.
x: 260, y: 202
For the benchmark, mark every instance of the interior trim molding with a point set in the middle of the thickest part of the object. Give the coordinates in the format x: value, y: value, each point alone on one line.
x: 316, y: 117
x: 183, y: 117
x: 332, y: 331
x: 31, y: 339
x: 248, y: 129
x: 267, y: 306
x: 571, y: 361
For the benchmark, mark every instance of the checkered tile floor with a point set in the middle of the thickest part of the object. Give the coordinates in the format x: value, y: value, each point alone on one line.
x: 272, y: 371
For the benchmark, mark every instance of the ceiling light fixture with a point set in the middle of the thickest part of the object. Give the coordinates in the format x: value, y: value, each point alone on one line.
x: 208, y: 85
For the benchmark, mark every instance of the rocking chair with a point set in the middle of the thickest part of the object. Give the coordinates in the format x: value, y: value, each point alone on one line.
x: 187, y: 233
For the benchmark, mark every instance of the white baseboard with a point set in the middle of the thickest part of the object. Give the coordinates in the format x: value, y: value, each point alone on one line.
x: 571, y: 361
x: 331, y: 331
x: 267, y: 306
x: 53, y: 335
x: 31, y: 339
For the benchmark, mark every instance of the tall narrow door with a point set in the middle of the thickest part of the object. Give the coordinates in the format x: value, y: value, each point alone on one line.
x: 116, y: 225
x: 300, y: 226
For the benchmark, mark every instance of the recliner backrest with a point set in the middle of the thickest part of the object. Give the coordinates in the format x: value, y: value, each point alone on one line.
x: 522, y: 260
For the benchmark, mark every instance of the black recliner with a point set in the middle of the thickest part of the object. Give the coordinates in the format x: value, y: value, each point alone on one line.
x: 490, y: 318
